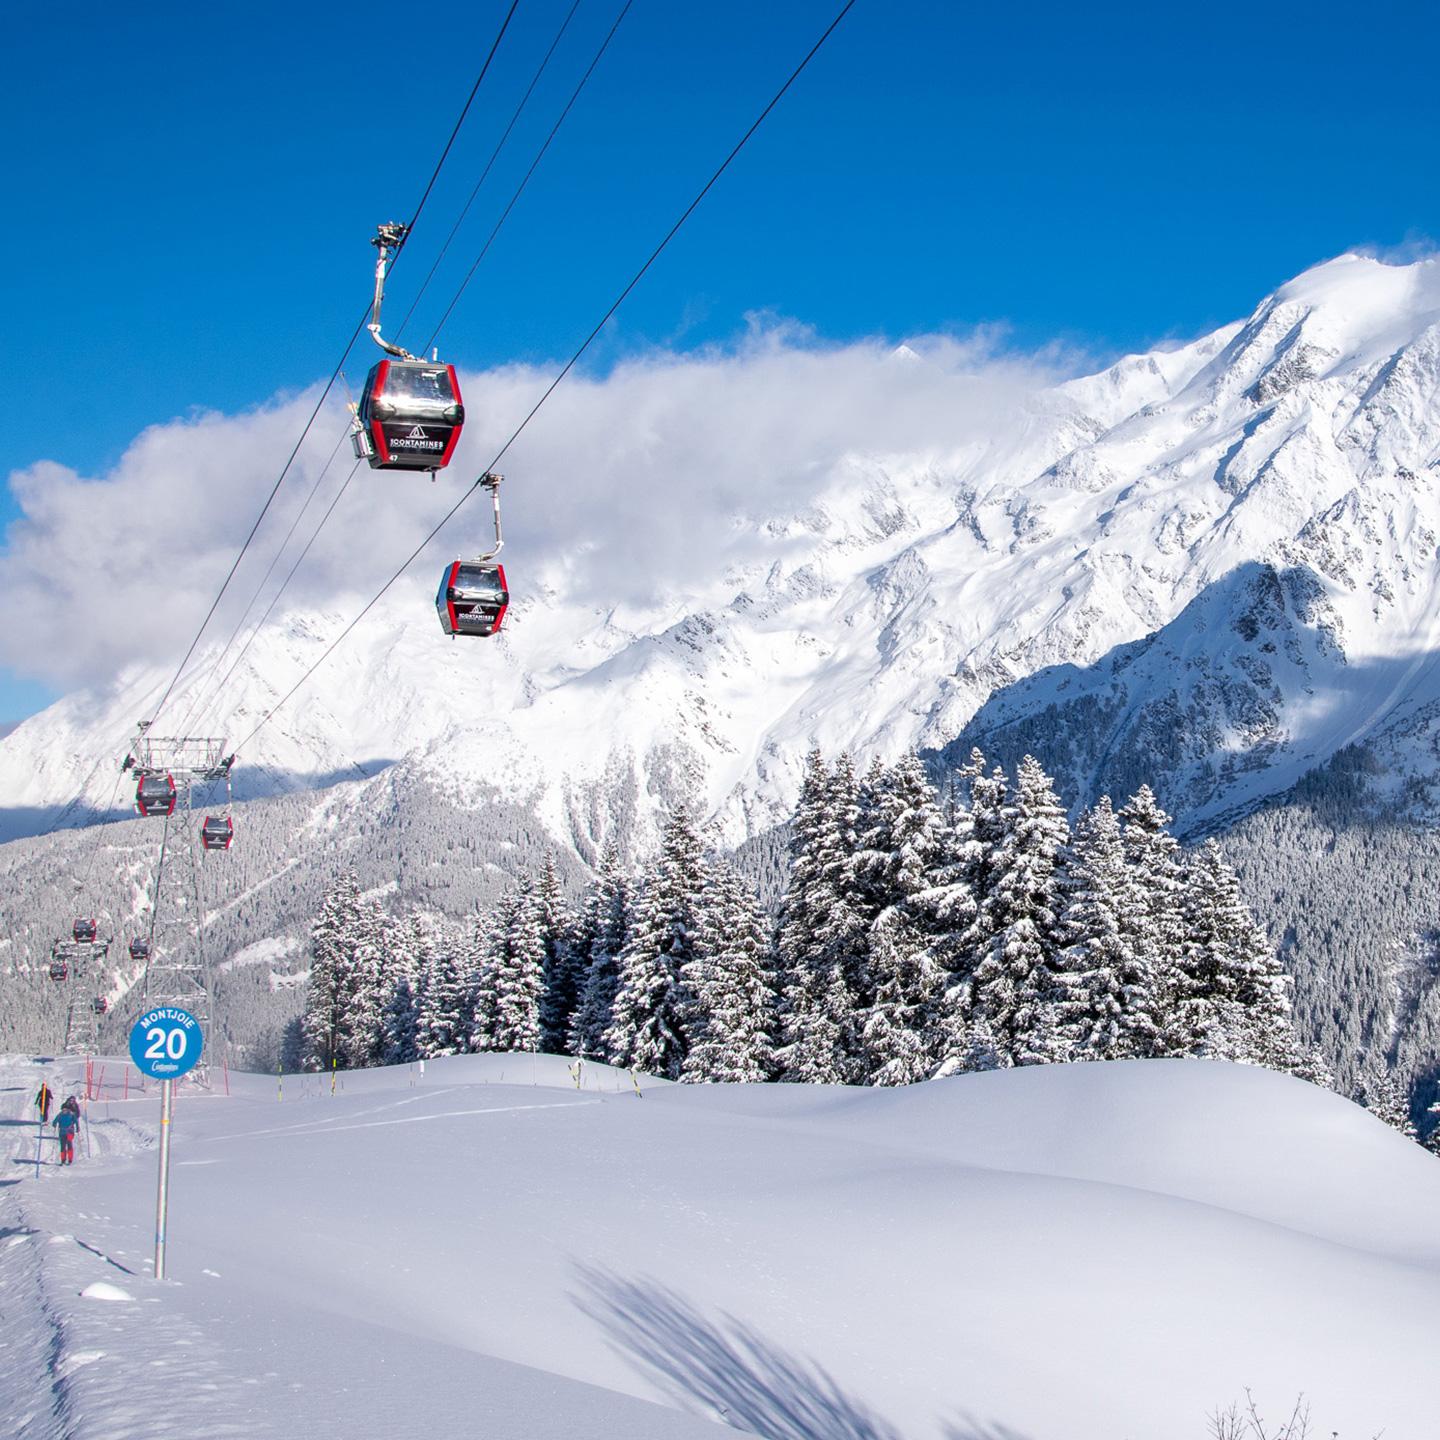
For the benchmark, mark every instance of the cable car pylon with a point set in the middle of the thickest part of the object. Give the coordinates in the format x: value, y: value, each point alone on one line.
x: 177, y: 969
x: 410, y: 413
x: 473, y: 595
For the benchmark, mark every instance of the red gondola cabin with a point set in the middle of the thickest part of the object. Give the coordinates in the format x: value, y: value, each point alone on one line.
x: 410, y: 416
x: 139, y: 949
x: 156, y: 794
x: 99, y: 1004
x: 217, y: 832
x: 472, y: 598
x: 59, y: 970
x: 84, y: 931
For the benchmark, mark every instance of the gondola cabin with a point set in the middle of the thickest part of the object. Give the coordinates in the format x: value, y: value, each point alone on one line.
x: 217, y: 832
x: 84, y: 931
x: 410, y: 416
x: 59, y: 970
x: 99, y: 1004
x: 156, y: 794
x: 139, y: 949
x: 472, y: 598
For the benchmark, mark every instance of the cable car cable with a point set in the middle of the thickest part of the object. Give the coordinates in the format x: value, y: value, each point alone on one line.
x: 534, y: 165
x: 494, y: 155
x: 493, y: 234
x: 569, y: 365
x: 334, y: 374
x: 275, y: 599
x: 196, y: 707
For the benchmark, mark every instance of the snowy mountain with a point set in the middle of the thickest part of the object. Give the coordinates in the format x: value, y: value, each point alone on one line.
x: 1209, y: 567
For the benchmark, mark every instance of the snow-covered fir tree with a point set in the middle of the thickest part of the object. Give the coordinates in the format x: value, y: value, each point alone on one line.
x: 1013, y: 987
x: 1234, y: 996
x: 371, y: 961
x: 648, y: 1027
x: 904, y: 856
x: 564, y: 967
x: 822, y: 937
x: 513, y: 978
x: 413, y: 946
x: 1107, y: 997
x: 446, y: 1005
x: 1156, y: 925
x: 326, y: 1025
x: 597, y: 941
x: 1385, y: 1098
x: 731, y: 987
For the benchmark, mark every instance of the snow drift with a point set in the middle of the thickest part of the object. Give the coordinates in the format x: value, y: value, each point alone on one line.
x: 1057, y: 1253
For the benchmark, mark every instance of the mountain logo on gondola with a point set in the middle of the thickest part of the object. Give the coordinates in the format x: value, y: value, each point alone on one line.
x: 417, y: 434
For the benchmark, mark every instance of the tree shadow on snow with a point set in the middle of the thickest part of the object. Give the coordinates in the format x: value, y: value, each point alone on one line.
x: 729, y: 1370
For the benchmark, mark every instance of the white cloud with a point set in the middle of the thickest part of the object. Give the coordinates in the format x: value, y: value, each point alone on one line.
x: 623, y: 485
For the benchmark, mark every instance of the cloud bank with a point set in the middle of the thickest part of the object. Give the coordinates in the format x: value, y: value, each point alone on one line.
x: 624, y: 487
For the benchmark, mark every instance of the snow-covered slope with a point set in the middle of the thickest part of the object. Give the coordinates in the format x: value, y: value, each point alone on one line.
x: 1077, y: 1252
x: 910, y: 587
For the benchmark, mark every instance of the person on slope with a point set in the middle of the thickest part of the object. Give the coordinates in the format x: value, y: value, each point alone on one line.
x: 44, y: 1098
x: 67, y: 1124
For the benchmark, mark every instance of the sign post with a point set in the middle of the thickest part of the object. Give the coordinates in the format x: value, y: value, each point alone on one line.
x: 165, y: 1044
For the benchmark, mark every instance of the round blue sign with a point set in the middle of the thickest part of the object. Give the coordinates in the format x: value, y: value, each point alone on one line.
x: 166, y: 1043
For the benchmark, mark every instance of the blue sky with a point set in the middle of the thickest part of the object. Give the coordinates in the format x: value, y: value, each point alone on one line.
x: 196, y: 194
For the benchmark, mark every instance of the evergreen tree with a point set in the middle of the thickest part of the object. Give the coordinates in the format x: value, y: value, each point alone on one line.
x: 402, y: 1010
x: 514, y: 976
x: 326, y: 1023
x: 1233, y: 997
x: 977, y: 806
x: 598, y: 940
x: 446, y: 1011
x: 1107, y: 990
x: 731, y: 987
x: 822, y: 937
x: 1156, y: 923
x: 371, y: 961
x: 564, y: 967
x: 904, y: 863
x: 1013, y: 987
x: 648, y: 1028
x: 1385, y: 1098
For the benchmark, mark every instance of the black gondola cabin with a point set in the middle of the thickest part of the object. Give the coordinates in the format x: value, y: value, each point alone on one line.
x: 410, y: 416
x: 100, y: 1004
x: 217, y: 832
x: 472, y: 598
x: 139, y: 949
x: 59, y: 970
x: 84, y: 931
x: 156, y: 794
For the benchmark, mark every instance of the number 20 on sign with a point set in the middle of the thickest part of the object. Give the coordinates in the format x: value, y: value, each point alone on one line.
x: 166, y: 1043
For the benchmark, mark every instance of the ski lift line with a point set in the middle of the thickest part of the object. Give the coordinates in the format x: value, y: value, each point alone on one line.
x: 334, y: 375
x: 534, y: 165
x: 489, y: 165
x: 554, y: 384
x: 469, y: 101
x: 285, y: 583
x: 264, y: 510
x: 204, y: 697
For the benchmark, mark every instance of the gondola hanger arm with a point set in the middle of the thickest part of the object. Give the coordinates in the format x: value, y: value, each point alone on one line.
x: 491, y: 482
x: 388, y: 240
